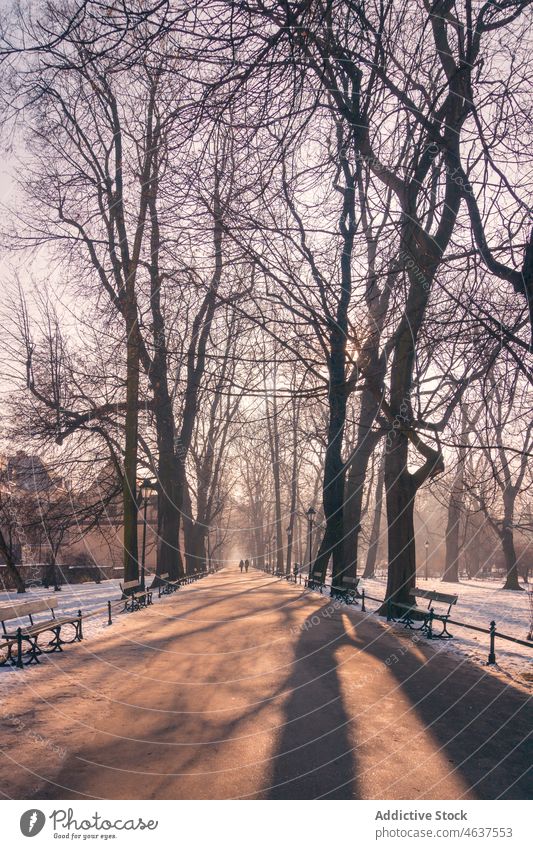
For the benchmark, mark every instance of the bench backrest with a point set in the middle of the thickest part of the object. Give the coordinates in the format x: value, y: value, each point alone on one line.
x: 445, y: 598
x: 423, y: 593
x: 130, y: 585
x: 317, y: 576
x: 164, y: 577
x: 350, y: 581
x: 433, y: 595
x: 26, y: 608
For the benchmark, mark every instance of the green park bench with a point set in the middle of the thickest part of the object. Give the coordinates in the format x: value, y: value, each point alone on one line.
x: 346, y: 590
x: 315, y: 582
x: 20, y: 642
x: 428, y: 615
x: 134, y: 596
x: 165, y: 586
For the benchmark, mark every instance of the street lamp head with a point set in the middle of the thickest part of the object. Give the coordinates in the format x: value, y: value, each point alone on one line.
x: 311, y: 512
x: 147, y: 486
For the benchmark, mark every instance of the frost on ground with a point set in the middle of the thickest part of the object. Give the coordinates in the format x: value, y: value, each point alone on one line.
x: 479, y: 603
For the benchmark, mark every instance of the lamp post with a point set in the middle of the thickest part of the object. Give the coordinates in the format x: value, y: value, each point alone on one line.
x: 146, y: 487
x: 426, y: 565
x: 268, y: 555
x: 311, y: 513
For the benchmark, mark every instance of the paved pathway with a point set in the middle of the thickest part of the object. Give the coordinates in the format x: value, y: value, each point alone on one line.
x: 242, y: 686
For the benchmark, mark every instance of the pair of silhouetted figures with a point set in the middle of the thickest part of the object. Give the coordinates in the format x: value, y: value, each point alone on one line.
x: 244, y: 565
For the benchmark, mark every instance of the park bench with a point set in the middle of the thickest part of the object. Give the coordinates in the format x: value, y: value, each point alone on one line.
x: 346, y: 590
x: 165, y: 586
x: 428, y: 615
x: 315, y: 582
x: 23, y: 639
x: 134, y: 596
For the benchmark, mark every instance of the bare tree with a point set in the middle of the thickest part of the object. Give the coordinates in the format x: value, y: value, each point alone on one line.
x: 12, y: 509
x: 505, y: 439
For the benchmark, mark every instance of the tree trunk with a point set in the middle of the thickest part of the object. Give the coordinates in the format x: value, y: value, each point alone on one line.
x: 507, y: 538
x: 455, y: 511
x: 131, y: 553
x: 259, y: 545
x: 168, y: 499
x: 371, y: 556
x: 293, y: 485
x: 168, y: 555
x: 334, y: 468
x: 367, y: 440
x: 12, y: 570
x: 189, y: 533
x: 453, y: 527
x: 401, y: 485
x: 195, y: 536
x: 332, y: 544
x: 401, y: 493
x: 273, y: 439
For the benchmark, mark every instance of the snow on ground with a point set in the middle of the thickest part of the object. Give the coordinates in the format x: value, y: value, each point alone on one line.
x: 71, y: 598
x: 479, y: 603
x: 87, y: 597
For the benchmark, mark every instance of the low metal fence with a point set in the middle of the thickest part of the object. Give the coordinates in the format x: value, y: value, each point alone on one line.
x: 492, y: 631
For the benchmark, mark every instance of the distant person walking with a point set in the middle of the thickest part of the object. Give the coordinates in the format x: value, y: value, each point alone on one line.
x: 241, y: 565
x: 246, y: 565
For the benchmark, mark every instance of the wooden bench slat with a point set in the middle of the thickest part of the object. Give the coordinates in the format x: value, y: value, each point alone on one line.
x: 446, y: 599
x: 433, y: 595
x: 45, y: 625
x: 41, y: 626
x: 413, y: 608
x: 422, y: 593
x: 25, y: 608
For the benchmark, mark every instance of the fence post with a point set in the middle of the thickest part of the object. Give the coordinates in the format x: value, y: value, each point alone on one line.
x: 363, y: 609
x: 109, y: 620
x: 80, y: 631
x: 492, y: 653
x: 19, y: 648
x: 430, y: 624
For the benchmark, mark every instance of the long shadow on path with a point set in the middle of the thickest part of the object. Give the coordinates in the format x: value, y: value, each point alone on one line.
x: 315, y: 758
x: 452, y: 729
x: 482, y: 723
